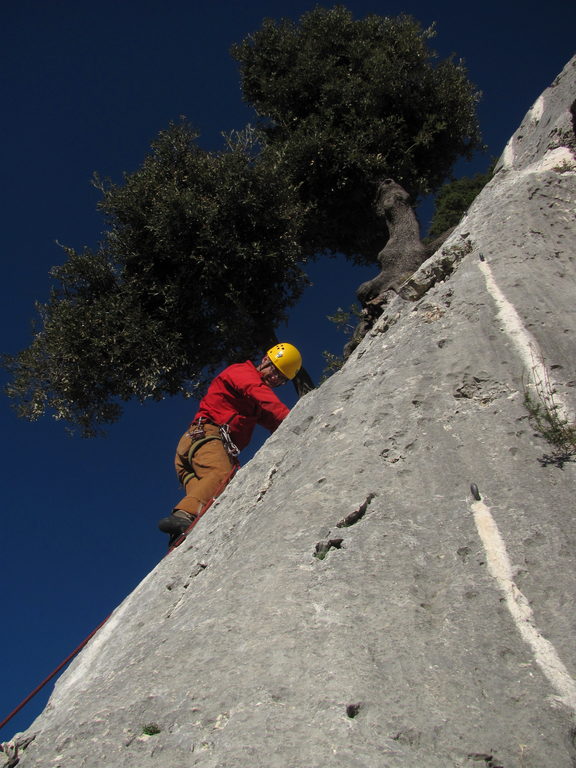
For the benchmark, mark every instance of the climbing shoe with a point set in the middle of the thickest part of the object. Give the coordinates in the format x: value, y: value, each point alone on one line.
x: 176, y: 523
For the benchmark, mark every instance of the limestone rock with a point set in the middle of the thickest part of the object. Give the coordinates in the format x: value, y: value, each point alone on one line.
x: 438, y: 627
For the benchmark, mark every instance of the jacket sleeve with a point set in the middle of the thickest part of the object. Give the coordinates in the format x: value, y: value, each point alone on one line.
x: 271, y: 411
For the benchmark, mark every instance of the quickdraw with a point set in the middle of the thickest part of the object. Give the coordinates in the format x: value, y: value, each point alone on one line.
x: 231, y: 448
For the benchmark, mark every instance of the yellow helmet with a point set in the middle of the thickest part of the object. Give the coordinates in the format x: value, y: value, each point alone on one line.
x: 286, y: 358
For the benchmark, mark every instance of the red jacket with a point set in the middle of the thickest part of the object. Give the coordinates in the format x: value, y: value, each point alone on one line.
x: 238, y: 397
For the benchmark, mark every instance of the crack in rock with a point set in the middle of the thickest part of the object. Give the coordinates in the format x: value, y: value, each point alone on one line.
x: 358, y: 514
x: 352, y: 710
x: 198, y: 568
x: 436, y: 270
x: 323, y: 547
x: 12, y: 748
x: 267, y: 483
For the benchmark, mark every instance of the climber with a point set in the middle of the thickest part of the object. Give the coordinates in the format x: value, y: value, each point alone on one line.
x: 238, y: 398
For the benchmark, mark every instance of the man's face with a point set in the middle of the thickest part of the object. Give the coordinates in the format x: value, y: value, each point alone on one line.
x: 270, y: 374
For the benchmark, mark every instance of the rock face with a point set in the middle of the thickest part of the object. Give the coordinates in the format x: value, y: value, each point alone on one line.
x: 391, y: 580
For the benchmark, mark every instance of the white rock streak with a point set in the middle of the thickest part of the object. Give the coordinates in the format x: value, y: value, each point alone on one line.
x: 535, y: 114
x: 538, y: 376
x: 500, y: 569
x: 497, y: 557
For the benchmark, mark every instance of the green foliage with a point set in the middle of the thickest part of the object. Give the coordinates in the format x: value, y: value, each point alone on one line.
x: 199, y: 265
x: 333, y: 363
x: 346, y: 321
x: 151, y: 729
x: 202, y: 254
x: 546, y: 419
x: 454, y: 199
x: 346, y: 103
x: 209, y: 238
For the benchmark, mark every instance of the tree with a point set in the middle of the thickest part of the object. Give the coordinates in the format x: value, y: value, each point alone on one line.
x: 454, y: 199
x: 200, y: 263
x: 344, y: 104
x: 203, y: 251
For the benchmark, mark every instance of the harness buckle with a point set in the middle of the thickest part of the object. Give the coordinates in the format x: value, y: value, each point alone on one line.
x: 196, y: 430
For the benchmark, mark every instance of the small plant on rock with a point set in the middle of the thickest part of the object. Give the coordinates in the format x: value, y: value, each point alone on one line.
x: 564, y: 167
x: 547, y: 417
x: 558, y: 431
x: 151, y: 729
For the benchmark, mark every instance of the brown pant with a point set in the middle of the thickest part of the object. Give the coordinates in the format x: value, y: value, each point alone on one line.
x: 211, y: 466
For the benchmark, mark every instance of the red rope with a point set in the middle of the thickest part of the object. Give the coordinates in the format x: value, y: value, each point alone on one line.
x: 52, y: 674
x: 77, y: 650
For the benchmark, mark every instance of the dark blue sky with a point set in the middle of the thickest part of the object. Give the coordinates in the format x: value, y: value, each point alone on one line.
x: 86, y: 87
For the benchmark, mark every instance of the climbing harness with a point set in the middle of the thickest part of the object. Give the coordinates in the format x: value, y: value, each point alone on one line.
x: 197, y: 434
